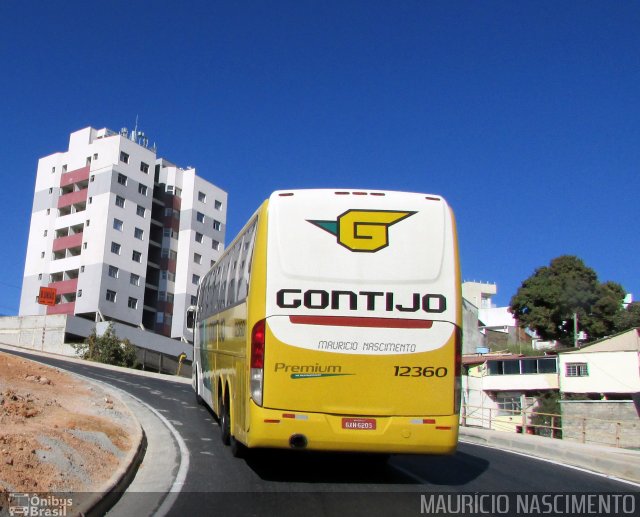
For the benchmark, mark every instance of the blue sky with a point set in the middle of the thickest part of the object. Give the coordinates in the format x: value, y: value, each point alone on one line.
x: 524, y: 115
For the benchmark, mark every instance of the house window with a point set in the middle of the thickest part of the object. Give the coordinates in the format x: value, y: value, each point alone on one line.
x: 202, y: 197
x: 195, y: 279
x: 136, y: 256
x: 200, y: 217
x: 115, y: 248
x: 122, y: 179
x: 111, y: 296
x: 142, y: 189
x: 199, y: 237
x: 144, y: 167
x: 216, y: 225
x: 138, y: 233
x: 124, y: 157
x: 132, y: 303
x: 120, y: 201
x: 217, y: 205
x: 197, y: 258
x: 508, y: 406
x: 576, y: 370
x: 135, y: 279
x: 113, y: 271
x: 117, y: 224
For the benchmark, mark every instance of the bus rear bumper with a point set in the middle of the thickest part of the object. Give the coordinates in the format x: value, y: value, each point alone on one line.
x: 317, y: 431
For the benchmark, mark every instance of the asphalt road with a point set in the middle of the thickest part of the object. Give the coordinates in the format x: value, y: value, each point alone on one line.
x: 282, y: 483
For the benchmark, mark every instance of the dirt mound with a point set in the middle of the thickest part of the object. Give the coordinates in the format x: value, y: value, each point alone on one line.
x: 57, y: 432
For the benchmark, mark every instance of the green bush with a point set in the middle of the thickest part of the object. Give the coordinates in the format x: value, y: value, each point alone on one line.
x: 107, y: 349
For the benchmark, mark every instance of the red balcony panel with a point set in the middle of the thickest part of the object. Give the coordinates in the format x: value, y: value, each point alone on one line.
x: 71, y: 177
x: 70, y: 241
x: 65, y: 286
x: 73, y: 197
x: 62, y: 308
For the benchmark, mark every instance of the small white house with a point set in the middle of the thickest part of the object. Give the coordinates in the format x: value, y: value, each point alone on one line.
x: 610, y: 367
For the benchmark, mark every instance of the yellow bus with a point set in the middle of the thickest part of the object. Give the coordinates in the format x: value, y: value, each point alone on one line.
x: 333, y: 322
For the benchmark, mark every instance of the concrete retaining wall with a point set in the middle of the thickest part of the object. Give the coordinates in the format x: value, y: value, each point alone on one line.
x: 607, y: 422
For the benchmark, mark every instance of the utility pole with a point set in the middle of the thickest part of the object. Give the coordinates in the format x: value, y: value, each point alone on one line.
x: 575, y: 330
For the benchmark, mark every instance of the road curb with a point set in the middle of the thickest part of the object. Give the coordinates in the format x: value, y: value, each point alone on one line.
x: 620, y: 463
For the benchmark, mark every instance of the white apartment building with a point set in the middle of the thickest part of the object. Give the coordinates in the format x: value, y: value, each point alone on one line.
x: 120, y: 233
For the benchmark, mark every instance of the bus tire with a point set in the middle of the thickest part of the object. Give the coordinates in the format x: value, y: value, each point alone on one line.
x: 225, y: 420
x: 199, y: 400
x: 238, y: 449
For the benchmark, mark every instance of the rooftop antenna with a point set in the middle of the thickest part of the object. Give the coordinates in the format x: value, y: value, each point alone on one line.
x: 134, y: 133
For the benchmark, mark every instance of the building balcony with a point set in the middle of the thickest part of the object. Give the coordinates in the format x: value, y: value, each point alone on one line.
x: 69, y: 241
x: 73, y: 198
x: 69, y: 178
x: 65, y: 286
x: 62, y: 308
x: 521, y: 382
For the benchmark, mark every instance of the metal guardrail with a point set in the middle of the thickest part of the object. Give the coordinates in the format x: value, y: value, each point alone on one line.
x: 619, y: 433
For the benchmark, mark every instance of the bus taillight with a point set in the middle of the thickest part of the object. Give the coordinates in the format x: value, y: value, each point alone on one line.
x: 257, y: 361
x: 458, y: 372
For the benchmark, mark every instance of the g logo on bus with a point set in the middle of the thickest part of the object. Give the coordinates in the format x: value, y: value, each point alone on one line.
x: 363, y: 230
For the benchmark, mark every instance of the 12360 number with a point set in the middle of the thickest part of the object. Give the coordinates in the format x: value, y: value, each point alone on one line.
x: 420, y: 371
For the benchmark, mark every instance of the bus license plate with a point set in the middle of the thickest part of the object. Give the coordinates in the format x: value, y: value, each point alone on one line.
x: 359, y: 423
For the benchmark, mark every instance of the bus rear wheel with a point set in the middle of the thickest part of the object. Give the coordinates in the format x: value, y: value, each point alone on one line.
x: 225, y: 420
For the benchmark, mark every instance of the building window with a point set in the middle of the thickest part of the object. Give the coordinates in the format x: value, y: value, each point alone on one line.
x: 50, y: 190
x: 122, y: 179
x: 45, y: 233
x: 40, y: 276
x: 197, y: 258
x: 138, y: 233
x: 79, y: 293
x: 199, y: 237
x: 111, y: 296
x: 115, y: 248
x: 95, y: 156
x: 136, y: 256
x: 53, y: 169
x: 194, y: 300
x: 216, y: 225
x: 135, y: 279
x: 132, y: 303
x: 202, y: 197
x: 576, y: 370
x: 117, y: 224
x: 64, y: 168
x: 124, y: 157
x: 508, y: 406
x: 48, y: 211
x: 92, y: 178
x: 200, y: 217
x: 142, y: 189
x: 140, y: 211
x: 144, y: 167
x: 215, y: 244
x: 217, y: 205
x: 120, y: 201
x: 195, y: 279
x: 113, y: 271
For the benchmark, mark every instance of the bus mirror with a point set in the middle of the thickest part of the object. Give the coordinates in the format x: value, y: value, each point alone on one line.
x: 191, y: 318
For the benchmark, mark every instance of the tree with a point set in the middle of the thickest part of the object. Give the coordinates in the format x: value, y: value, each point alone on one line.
x: 628, y: 318
x: 547, y: 301
x: 108, y: 349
